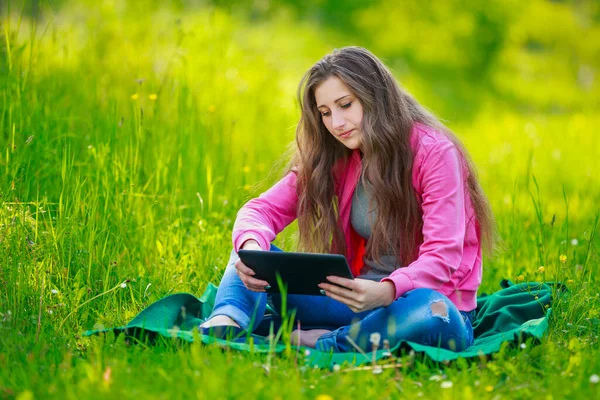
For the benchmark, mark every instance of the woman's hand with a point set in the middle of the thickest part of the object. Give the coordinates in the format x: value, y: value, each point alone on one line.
x: 360, y: 294
x: 245, y: 273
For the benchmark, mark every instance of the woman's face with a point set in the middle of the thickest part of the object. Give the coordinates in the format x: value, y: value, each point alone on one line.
x: 341, y: 111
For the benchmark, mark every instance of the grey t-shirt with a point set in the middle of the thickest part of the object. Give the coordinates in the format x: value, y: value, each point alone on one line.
x: 362, y: 220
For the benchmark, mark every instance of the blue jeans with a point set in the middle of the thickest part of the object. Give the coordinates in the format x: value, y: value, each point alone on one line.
x: 422, y: 315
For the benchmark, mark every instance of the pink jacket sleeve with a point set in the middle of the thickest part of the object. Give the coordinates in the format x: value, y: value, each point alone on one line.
x: 264, y: 217
x: 440, y: 182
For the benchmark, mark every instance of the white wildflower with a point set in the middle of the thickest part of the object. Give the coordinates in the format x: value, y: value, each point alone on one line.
x: 574, y: 242
x: 54, y: 291
x: 446, y: 385
x: 123, y: 285
x: 594, y: 379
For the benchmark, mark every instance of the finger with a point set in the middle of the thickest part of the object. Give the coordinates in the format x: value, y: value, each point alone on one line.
x: 254, y: 288
x: 240, y: 266
x: 340, y: 291
x: 338, y: 280
x: 257, y: 283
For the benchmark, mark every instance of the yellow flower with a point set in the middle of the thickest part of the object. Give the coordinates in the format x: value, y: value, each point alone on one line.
x: 324, y: 397
x: 134, y: 96
x: 570, y: 281
x: 563, y: 258
x: 489, y: 388
x: 246, y: 169
x: 541, y: 269
x: 153, y: 96
x: 247, y: 187
x: 211, y: 108
x: 520, y: 278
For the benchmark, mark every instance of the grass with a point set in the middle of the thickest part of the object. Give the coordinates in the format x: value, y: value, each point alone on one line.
x: 129, y: 142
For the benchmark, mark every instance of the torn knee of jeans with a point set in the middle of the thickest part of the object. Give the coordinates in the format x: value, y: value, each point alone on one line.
x: 439, y: 309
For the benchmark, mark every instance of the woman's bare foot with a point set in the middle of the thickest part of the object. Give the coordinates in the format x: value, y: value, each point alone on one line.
x: 219, y: 320
x: 307, y: 338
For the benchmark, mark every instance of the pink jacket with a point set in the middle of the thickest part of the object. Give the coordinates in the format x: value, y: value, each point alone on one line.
x: 449, y: 259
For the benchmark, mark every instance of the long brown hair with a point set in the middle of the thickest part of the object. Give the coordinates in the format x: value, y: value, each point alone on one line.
x: 389, y: 114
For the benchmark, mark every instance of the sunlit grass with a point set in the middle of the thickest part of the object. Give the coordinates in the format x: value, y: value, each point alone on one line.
x: 129, y: 142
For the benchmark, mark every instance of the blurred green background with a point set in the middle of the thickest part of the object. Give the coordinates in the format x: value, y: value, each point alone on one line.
x: 132, y: 132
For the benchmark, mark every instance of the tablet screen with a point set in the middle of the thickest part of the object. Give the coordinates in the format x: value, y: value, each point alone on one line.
x: 300, y: 272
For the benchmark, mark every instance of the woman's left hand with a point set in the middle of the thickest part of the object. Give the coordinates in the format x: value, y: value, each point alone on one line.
x: 360, y: 294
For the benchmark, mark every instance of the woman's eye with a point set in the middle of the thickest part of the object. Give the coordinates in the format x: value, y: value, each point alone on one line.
x: 324, y: 114
x: 346, y: 105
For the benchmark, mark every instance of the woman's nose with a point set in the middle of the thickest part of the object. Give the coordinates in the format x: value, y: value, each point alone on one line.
x: 337, y: 121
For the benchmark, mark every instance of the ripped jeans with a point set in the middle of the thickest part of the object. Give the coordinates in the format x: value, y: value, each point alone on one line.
x: 422, y: 316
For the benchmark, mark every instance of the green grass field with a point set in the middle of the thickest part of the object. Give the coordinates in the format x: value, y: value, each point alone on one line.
x: 131, y: 135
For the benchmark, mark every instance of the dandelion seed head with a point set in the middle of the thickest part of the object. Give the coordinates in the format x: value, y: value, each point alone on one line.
x: 123, y: 285
x: 523, y: 346
x: 574, y: 242
x: 594, y: 378
x: 54, y: 291
x: 375, y: 338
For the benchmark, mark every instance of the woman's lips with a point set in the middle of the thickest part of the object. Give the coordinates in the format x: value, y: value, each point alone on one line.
x: 346, y: 134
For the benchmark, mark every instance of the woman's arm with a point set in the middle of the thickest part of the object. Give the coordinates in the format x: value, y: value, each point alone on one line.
x: 444, y: 222
x: 262, y: 218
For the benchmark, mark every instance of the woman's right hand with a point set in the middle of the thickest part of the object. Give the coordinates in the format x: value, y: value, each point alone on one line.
x: 246, y: 274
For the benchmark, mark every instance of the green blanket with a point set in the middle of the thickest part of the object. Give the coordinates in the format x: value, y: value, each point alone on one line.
x: 512, y: 314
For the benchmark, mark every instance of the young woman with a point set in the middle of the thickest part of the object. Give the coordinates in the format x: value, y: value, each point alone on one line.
x: 379, y: 179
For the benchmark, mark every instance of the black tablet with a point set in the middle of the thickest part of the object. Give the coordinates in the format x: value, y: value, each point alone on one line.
x: 300, y: 272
